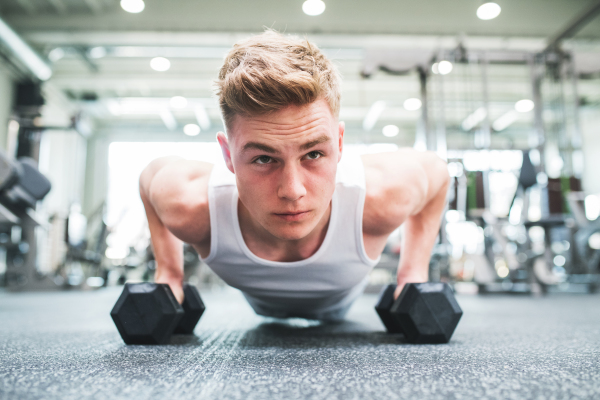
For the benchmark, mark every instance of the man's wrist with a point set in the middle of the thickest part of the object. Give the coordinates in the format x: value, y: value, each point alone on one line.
x: 412, y: 276
x: 168, y: 276
x: 405, y: 277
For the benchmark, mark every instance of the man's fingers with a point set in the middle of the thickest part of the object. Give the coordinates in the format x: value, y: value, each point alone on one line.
x: 175, y: 283
x: 177, y: 292
x: 398, y: 290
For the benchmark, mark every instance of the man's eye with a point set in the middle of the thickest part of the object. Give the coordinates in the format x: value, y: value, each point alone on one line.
x: 313, y: 155
x: 263, y: 160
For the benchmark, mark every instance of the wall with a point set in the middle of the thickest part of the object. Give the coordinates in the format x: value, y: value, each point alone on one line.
x: 6, y: 103
x: 96, y: 175
x: 590, y: 128
x: 63, y: 161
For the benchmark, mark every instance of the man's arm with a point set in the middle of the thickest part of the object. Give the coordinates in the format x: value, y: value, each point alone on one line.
x: 174, y: 193
x: 406, y: 187
x: 422, y: 225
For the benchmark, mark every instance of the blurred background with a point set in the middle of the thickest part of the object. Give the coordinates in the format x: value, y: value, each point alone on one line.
x: 508, y: 92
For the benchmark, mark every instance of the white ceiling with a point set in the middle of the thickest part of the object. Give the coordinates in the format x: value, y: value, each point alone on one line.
x: 197, y: 32
x: 525, y: 18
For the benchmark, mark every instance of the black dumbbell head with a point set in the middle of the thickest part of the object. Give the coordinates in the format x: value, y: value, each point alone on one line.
x: 383, y: 306
x: 193, y: 307
x: 146, y: 313
x: 427, y: 312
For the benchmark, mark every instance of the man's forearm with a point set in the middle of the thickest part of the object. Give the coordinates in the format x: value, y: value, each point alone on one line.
x: 420, y: 233
x: 168, y: 249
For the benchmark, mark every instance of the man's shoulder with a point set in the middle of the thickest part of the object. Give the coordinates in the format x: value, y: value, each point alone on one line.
x: 393, y: 162
x: 180, y: 176
x: 186, y: 170
x: 180, y: 196
x: 391, y: 182
x: 386, y: 174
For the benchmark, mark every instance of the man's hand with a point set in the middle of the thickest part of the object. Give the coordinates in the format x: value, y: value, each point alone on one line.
x: 410, y: 277
x: 175, y: 283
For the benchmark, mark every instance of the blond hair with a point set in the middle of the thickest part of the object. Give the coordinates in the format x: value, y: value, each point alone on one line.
x: 270, y: 71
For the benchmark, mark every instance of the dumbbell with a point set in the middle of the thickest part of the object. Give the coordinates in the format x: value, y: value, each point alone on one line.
x: 424, y: 312
x: 148, y: 313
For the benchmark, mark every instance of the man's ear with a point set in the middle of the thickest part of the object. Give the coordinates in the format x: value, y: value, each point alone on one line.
x: 224, y: 143
x: 341, y: 129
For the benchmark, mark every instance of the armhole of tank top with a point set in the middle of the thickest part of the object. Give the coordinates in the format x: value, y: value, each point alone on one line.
x: 212, y: 214
x: 359, y: 230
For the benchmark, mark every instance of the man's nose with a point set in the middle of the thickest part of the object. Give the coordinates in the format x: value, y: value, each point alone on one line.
x: 291, y: 187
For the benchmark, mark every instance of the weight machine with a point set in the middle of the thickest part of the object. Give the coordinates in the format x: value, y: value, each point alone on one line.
x: 29, y: 241
x: 543, y: 243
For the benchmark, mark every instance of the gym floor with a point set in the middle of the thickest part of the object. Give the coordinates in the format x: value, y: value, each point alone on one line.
x: 64, y: 346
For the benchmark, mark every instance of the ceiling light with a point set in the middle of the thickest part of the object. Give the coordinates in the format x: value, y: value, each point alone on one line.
x: 178, y: 102
x: 504, y: 121
x: 444, y: 67
x: 373, y: 115
x: 313, y: 7
x: 56, y: 54
x: 168, y: 119
x: 135, y: 105
x: 434, y: 68
x: 412, y: 104
x: 160, y: 64
x: 488, y: 11
x: 390, y: 131
x: 524, y: 105
x: 202, y: 117
x: 97, y: 52
x: 473, y: 119
x: 191, y: 129
x: 133, y: 6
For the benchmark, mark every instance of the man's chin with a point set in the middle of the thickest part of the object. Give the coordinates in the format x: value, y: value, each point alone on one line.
x: 291, y: 232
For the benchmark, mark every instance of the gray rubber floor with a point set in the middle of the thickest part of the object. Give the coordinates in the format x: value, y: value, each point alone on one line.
x: 64, y: 346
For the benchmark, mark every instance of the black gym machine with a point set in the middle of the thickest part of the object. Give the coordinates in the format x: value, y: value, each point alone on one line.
x: 21, y: 187
x: 23, y: 231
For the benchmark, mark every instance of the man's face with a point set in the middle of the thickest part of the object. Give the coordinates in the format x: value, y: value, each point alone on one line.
x: 285, y: 165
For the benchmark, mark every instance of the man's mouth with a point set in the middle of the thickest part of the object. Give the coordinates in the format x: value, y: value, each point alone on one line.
x: 292, y: 216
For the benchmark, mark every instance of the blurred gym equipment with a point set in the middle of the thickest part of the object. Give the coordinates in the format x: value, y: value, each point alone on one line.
x: 21, y: 187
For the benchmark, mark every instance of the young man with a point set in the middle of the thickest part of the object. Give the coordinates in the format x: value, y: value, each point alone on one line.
x: 286, y: 224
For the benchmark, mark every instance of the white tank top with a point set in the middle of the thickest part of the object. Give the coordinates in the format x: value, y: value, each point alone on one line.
x: 322, y: 286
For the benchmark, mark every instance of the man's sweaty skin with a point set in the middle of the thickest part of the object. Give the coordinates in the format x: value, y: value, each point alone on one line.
x: 285, y: 164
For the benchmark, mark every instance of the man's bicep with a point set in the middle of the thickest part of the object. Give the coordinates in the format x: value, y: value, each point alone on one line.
x: 407, y: 181
x: 437, y: 175
x: 179, y: 194
x: 152, y: 169
x: 395, y: 187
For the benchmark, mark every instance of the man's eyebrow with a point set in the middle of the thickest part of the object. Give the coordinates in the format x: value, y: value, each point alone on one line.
x: 313, y: 143
x: 259, y: 146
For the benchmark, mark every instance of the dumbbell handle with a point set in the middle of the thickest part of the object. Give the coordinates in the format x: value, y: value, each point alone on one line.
x: 193, y: 308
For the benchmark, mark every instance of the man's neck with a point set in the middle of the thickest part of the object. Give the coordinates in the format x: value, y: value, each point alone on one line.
x: 264, y: 245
